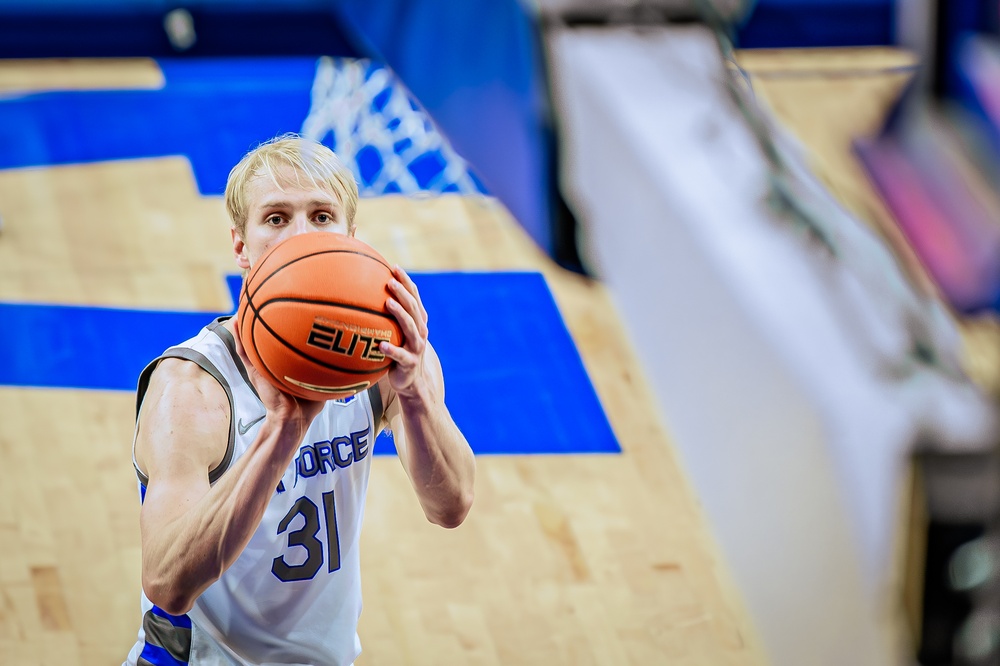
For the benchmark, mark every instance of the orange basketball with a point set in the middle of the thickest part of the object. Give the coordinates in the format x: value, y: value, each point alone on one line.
x: 312, y: 313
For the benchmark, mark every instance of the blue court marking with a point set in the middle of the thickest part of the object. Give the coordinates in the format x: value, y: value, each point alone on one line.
x: 515, y: 381
x: 211, y: 110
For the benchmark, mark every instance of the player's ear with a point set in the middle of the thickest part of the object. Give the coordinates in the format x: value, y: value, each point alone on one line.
x: 239, y: 249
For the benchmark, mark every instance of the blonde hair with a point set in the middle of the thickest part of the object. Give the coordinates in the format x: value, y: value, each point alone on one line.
x: 307, y: 158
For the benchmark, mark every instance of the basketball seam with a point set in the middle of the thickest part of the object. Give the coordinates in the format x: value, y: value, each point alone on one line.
x: 243, y: 312
x: 312, y: 301
x: 253, y: 341
x: 298, y: 351
x: 277, y: 269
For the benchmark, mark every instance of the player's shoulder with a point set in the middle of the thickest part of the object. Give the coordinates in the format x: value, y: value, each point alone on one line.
x: 184, y: 415
x: 180, y: 384
x: 175, y: 369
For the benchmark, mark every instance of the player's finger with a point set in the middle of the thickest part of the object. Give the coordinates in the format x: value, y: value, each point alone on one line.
x: 403, y: 358
x: 411, y: 305
x: 414, y: 338
x: 405, y: 279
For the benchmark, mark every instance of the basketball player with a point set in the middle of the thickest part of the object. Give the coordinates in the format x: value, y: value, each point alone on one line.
x: 252, y: 499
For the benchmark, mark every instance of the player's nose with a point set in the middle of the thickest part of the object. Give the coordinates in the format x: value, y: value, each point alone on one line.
x: 299, y: 224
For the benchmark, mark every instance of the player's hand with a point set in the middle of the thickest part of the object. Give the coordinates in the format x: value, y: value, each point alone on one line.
x: 408, y: 375
x: 280, y: 406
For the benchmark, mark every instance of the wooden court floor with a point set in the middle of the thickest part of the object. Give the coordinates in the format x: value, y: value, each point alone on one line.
x: 564, y: 559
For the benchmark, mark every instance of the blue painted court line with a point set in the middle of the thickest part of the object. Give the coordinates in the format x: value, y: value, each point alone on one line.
x: 211, y: 110
x: 515, y: 380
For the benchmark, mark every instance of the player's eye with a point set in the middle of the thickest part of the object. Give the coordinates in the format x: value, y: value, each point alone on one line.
x: 324, y: 218
x: 274, y: 220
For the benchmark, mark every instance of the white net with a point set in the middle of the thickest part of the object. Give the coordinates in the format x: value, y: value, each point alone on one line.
x: 364, y: 113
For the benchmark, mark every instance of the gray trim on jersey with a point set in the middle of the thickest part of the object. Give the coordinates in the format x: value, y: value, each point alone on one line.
x: 375, y: 398
x: 162, y: 633
x: 227, y: 339
x: 209, y: 367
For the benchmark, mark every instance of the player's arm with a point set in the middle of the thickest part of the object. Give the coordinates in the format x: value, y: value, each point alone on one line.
x: 434, y: 452
x: 192, y: 531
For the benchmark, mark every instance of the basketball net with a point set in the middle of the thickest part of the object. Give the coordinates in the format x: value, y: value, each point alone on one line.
x: 364, y: 113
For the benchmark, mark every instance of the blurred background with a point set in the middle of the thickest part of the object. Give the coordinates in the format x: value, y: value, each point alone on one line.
x: 792, y: 208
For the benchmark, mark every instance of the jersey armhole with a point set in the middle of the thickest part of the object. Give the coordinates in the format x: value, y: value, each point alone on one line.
x: 375, y: 398
x: 202, y: 362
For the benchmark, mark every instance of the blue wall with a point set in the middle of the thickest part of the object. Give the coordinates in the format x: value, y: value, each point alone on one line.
x: 809, y: 23
x: 109, y: 28
x: 476, y: 66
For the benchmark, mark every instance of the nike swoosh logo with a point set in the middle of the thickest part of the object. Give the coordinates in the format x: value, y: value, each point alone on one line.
x: 244, y: 428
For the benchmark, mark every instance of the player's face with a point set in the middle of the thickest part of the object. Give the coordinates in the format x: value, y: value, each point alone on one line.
x: 277, y: 213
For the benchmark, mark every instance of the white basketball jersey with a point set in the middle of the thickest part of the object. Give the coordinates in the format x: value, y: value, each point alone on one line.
x: 294, y: 594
